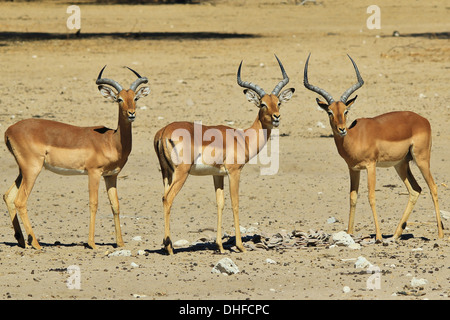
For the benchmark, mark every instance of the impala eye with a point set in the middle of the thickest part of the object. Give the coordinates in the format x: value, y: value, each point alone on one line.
x: 119, y: 100
x: 345, y: 112
x: 330, y: 113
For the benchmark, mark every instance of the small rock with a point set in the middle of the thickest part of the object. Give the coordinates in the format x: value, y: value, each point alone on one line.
x: 331, y: 220
x: 137, y: 238
x: 445, y: 215
x: 141, y: 253
x: 134, y: 265
x: 354, y: 246
x: 346, y: 289
x: 415, y: 282
x: 342, y: 238
x: 225, y: 266
x: 270, y: 261
x: 362, y: 262
x: 120, y: 253
x: 180, y: 243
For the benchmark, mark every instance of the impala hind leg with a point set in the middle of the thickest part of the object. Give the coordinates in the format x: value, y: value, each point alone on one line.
x: 424, y: 167
x: 9, y: 198
x: 234, y: 178
x: 111, y: 189
x: 371, y: 181
x: 218, y: 186
x: 414, y: 191
x: 28, y: 179
x: 178, y: 179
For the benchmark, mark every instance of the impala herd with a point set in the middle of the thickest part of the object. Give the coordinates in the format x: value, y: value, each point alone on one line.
x: 390, y: 139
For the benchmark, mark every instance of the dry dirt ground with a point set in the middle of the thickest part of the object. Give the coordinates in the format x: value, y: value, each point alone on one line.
x: 191, y: 53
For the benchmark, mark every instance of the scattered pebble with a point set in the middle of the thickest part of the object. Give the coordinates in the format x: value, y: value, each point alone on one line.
x: 362, y: 262
x: 120, y: 253
x: 331, y: 220
x: 225, y: 266
x: 415, y: 282
x: 270, y: 261
x: 342, y: 238
x: 181, y: 243
x: 346, y: 289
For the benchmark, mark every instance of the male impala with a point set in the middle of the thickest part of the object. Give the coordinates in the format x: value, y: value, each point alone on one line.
x: 225, y: 160
x: 69, y: 150
x: 390, y: 139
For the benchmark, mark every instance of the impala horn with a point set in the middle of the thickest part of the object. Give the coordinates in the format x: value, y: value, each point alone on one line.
x: 283, y: 82
x: 355, y: 87
x: 249, y: 85
x: 110, y: 82
x: 318, y: 90
x: 140, y: 80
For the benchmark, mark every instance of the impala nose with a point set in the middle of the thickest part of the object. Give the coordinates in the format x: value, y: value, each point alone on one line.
x: 131, y: 116
x: 342, y: 131
x: 276, y: 120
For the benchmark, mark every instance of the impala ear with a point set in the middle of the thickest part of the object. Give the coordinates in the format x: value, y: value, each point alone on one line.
x: 252, y: 96
x: 322, y: 104
x: 142, y: 92
x: 286, y: 95
x: 350, y: 102
x: 107, y: 92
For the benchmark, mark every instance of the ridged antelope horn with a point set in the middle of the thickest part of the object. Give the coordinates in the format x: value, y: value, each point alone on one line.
x: 356, y: 86
x: 110, y: 82
x: 318, y: 90
x: 140, y: 80
x: 283, y: 82
x: 249, y: 85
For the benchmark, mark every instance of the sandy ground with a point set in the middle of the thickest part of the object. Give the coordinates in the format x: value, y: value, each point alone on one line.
x: 190, y: 53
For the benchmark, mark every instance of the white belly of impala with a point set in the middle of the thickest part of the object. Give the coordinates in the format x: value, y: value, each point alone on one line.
x: 207, y: 170
x: 64, y: 171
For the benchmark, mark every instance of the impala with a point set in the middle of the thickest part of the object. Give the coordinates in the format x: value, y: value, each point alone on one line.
x: 390, y: 139
x: 70, y: 150
x: 227, y: 159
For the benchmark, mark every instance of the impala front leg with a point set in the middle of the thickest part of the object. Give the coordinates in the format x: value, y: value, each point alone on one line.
x: 111, y: 189
x: 234, y: 178
x: 94, y: 180
x: 218, y: 186
x: 371, y: 180
x: 354, y: 186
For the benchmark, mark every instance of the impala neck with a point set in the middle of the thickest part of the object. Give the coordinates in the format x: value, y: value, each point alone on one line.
x: 123, y: 135
x: 259, y: 128
x: 342, y: 143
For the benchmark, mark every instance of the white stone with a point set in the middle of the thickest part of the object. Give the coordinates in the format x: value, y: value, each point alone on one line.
x: 225, y: 266
x: 346, y: 289
x: 134, y: 265
x: 270, y: 261
x: 415, y: 282
x: 445, y: 215
x: 120, y: 253
x: 342, y: 238
x: 362, y: 262
x: 137, y: 238
x: 331, y: 220
x: 180, y: 243
x: 354, y: 246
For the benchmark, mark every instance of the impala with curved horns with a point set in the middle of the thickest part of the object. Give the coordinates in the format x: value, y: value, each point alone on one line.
x: 70, y: 150
x: 390, y: 139
x: 226, y: 160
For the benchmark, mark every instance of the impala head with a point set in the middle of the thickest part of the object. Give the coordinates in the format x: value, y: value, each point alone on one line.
x: 269, y: 104
x: 337, y: 111
x: 125, y: 98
